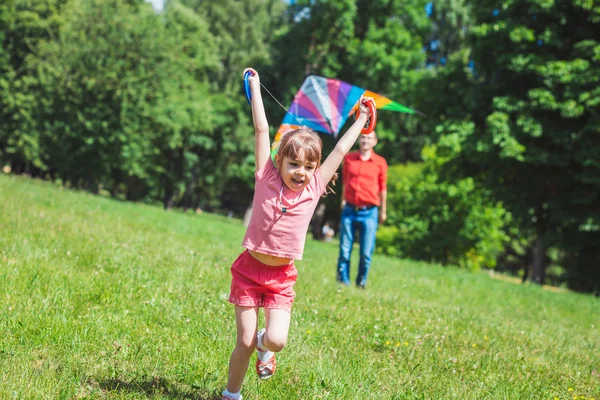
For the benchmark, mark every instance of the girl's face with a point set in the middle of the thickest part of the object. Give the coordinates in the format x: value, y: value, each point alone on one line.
x: 296, y: 174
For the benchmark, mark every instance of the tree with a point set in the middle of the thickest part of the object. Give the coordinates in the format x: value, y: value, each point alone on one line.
x: 451, y: 22
x: 242, y: 31
x: 532, y: 102
x: 24, y: 26
x: 6, y: 15
x: 117, y: 100
x: 439, y: 221
x: 376, y: 45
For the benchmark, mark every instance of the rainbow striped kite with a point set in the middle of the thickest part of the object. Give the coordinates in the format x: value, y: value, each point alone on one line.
x: 324, y: 105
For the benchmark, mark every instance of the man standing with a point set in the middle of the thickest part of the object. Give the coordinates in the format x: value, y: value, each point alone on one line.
x: 364, y: 192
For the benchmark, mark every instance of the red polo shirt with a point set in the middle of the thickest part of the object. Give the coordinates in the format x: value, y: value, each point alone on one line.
x: 364, y: 180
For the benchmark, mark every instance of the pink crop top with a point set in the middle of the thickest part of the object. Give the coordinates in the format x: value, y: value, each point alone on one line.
x: 272, y: 231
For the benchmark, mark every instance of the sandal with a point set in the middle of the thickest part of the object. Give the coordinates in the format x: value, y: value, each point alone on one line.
x: 266, y: 370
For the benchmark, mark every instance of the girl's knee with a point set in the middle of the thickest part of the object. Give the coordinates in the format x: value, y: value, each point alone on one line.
x: 276, y: 341
x: 244, y: 351
x: 246, y: 343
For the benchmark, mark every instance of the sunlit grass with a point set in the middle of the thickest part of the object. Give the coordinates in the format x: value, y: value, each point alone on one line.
x: 113, y: 300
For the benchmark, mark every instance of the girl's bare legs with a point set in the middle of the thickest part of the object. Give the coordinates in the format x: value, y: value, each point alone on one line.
x: 277, y: 324
x: 246, y: 319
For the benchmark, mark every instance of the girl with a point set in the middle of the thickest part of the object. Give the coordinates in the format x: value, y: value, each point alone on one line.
x: 286, y: 195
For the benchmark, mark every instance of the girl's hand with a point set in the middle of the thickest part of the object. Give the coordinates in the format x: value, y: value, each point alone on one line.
x: 253, y: 77
x: 364, y: 108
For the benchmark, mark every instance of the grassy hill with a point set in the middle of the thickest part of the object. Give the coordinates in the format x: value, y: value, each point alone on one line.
x: 113, y: 300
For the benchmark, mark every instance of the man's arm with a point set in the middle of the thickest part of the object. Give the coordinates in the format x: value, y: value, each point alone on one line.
x: 383, y: 206
x: 383, y: 193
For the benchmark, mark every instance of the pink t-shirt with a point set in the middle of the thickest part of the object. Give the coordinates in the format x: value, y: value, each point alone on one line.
x: 273, y: 232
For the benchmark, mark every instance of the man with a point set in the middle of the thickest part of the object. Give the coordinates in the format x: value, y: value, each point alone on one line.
x: 364, y: 192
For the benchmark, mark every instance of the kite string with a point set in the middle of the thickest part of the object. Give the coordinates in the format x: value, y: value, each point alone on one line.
x: 274, y: 98
x: 297, y: 117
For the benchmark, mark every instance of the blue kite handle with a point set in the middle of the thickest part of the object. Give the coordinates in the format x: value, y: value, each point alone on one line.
x: 247, y: 87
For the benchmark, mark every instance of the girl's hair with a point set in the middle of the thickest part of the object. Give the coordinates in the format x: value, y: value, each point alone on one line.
x: 307, y: 142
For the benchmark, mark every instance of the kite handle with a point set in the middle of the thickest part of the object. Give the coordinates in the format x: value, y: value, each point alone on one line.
x: 372, y: 121
x: 247, y: 86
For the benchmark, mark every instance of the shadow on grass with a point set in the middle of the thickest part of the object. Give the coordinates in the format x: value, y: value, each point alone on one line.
x: 156, y: 386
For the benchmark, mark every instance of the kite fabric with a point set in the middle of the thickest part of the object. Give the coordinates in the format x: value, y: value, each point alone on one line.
x: 324, y: 105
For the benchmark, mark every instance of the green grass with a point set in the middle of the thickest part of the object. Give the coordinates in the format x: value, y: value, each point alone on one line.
x: 112, y: 300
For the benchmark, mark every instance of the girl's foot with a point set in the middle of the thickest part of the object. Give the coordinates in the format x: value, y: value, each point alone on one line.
x: 265, y: 359
x: 231, y: 396
x: 265, y: 370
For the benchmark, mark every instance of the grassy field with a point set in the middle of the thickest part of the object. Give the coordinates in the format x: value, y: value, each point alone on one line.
x: 112, y: 300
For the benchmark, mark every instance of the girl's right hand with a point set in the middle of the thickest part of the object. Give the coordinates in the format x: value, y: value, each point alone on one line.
x: 253, y: 77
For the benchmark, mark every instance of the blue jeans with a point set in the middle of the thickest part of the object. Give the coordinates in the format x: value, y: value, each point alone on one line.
x: 366, y: 221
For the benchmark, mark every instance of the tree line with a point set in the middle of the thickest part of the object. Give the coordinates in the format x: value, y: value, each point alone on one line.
x: 501, y: 170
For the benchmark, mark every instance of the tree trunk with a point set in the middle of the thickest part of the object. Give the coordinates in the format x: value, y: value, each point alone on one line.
x: 317, y: 222
x: 187, y: 200
x: 539, y: 261
x: 526, y: 264
x: 247, y: 215
x: 168, y: 196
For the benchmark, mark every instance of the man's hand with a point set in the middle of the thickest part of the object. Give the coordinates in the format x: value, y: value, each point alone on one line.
x: 382, y: 217
x: 383, y: 206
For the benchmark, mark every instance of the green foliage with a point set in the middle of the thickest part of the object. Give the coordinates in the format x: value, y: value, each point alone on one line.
x: 6, y: 10
x: 130, y: 97
x: 449, y: 223
x: 451, y: 21
x: 532, y: 101
x: 240, y: 36
x: 376, y: 45
x: 25, y: 25
x: 241, y: 33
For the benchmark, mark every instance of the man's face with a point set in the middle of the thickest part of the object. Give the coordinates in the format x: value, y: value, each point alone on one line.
x: 367, y: 142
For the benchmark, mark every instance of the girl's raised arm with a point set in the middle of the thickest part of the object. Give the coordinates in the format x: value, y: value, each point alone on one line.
x: 343, y: 146
x: 262, y: 146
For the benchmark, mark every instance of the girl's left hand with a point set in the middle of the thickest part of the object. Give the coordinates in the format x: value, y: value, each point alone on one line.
x: 364, y: 108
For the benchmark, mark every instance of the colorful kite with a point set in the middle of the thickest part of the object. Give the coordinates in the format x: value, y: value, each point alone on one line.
x: 324, y: 105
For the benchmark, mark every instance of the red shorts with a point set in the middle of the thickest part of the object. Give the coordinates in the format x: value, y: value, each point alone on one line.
x: 256, y: 284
